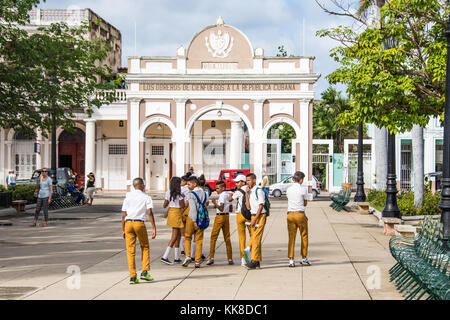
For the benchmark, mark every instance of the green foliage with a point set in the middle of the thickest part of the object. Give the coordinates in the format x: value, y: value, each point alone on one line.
x: 325, y: 114
x: 2, y: 188
x: 56, y: 71
x: 400, y: 86
x: 23, y: 192
x: 281, y: 52
x: 405, y: 201
x: 286, y: 134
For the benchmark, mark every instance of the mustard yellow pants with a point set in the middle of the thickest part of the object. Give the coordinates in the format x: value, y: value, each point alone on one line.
x: 198, y: 235
x: 240, y: 221
x: 133, y: 230
x: 297, y: 221
x: 256, y: 238
x: 221, y: 223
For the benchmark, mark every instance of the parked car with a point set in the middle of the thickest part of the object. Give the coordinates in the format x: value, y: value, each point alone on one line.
x: 62, y: 177
x: 280, y: 188
x: 226, y: 176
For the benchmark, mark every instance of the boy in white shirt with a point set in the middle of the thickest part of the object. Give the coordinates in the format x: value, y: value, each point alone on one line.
x: 221, y: 222
x: 296, y: 218
x: 135, y: 206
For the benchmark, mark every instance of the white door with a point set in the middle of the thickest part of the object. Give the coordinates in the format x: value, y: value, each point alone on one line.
x: 157, y: 164
x: 24, y: 159
x: 117, y: 172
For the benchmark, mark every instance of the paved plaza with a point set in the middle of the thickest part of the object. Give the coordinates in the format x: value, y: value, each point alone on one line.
x: 349, y: 253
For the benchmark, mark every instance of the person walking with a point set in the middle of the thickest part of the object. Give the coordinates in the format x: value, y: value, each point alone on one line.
x: 90, y: 188
x: 175, y: 201
x: 265, y: 184
x: 196, y: 197
x: 135, y: 207
x: 255, y: 199
x: 11, y: 179
x: 44, y: 197
x: 241, y: 210
x: 296, y: 218
x: 221, y: 222
x: 184, y: 192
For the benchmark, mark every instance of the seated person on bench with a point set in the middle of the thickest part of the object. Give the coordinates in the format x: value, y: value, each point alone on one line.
x: 75, y: 192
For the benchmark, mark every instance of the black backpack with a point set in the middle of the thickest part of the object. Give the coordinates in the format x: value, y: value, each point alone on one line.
x: 245, y: 212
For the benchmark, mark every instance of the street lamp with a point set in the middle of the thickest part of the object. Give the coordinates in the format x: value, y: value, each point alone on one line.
x: 360, y: 196
x: 445, y: 195
x: 391, y: 213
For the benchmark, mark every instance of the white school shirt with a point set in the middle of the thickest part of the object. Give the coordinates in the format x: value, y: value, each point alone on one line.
x: 296, y: 195
x: 254, y: 202
x: 223, y: 198
x: 193, y: 204
x: 185, y: 191
x: 173, y: 204
x: 136, y: 205
x: 238, y: 196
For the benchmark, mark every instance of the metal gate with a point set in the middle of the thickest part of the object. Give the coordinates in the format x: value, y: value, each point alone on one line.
x: 353, y: 169
x: 405, y: 169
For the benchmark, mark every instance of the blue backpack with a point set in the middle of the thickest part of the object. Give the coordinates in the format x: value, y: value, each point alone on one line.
x: 202, y: 213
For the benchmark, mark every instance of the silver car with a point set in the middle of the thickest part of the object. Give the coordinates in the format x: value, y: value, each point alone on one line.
x: 278, y: 189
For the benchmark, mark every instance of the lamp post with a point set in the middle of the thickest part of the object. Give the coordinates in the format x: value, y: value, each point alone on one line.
x: 360, y: 196
x: 53, y: 169
x: 391, y: 213
x: 445, y: 195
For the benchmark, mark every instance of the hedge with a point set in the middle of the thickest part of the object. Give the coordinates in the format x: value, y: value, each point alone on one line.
x: 21, y: 192
x: 405, y: 201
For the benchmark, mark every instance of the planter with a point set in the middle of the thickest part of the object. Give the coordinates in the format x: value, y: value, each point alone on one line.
x: 346, y: 186
x: 5, y: 199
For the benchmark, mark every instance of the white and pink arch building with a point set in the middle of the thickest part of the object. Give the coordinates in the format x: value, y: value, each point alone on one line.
x: 221, y: 87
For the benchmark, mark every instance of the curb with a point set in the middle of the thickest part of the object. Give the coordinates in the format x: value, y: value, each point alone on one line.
x: 12, y: 212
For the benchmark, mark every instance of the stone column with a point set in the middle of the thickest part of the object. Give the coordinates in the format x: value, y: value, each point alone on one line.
x: 304, y: 138
x: 99, y: 156
x: 197, y: 146
x: 235, y: 145
x: 9, y: 162
x: 134, y: 138
x: 180, y: 152
x: 2, y: 157
x: 258, y: 138
x: 90, y: 146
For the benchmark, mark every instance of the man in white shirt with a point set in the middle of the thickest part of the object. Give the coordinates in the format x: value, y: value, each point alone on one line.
x: 296, y: 218
x: 136, y: 205
x: 192, y: 229
x: 239, y: 196
x: 221, y: 222
x: 255, y: 198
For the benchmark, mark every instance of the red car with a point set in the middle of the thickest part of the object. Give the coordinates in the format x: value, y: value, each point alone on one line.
x: 226, y: 176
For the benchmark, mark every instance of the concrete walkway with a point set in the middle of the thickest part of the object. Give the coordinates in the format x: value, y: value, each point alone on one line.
x: 350, y: 259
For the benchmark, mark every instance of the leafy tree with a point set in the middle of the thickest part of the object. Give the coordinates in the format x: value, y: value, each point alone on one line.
x: 56, y: 71
x: 325, y: 113
x: 284, y: 132
x: 393, y: 87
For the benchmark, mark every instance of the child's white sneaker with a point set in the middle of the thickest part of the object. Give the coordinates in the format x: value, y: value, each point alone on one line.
x: 305, y: 261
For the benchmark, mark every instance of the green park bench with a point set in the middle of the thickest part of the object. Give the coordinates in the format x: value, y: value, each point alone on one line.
x: 422, y: 263
x: 341, y: 199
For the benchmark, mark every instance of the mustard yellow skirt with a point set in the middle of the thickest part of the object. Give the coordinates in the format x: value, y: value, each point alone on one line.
x: 185, y: 214
x: 174, y: 219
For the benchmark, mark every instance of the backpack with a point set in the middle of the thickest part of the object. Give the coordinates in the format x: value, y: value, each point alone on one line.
x: 245, y: 212
x: 266, y: 202
x: 202, y: 213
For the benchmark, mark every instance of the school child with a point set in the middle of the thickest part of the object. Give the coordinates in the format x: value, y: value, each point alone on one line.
x: 241, y: 211
x: 192, y: 229
x: 175, y: 201
x: 184, y: 192
x: 255, y: 199
x: 296, y: 218
x: 135, y: 206
x: 221, y: 222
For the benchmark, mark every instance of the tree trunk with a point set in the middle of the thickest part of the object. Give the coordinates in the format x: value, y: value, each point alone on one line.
x: 381, y: 157
x: 417, y: 148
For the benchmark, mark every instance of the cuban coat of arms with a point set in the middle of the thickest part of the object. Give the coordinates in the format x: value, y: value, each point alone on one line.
x: 220, y: 44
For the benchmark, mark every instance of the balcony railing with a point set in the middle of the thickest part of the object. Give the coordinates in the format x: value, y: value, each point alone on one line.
x: 121, y: 95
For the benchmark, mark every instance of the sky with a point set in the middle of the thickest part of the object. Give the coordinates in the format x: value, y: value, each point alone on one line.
x: 164, y: 25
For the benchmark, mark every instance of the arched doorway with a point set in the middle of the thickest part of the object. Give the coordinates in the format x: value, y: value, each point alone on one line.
x: 71, y: 152
x: 158, y: 151
x: 280, y: 152
x: 24, y: 158
x: 219, y: 139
